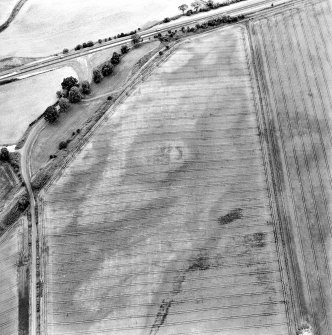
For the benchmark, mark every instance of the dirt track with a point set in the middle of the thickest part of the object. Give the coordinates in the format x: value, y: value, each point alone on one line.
x: 12, y: 15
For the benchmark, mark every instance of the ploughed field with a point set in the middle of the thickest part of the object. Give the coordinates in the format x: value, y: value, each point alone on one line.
x: 11, y: 244
x: 162, y: 224
x: 293, y: 53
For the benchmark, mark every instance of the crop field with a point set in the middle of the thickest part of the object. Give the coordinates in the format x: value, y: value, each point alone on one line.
x: 7, y: 181
x: 24, y: 100
x: 161, y: 224
x: 293, y: 52
x: 10, y: 251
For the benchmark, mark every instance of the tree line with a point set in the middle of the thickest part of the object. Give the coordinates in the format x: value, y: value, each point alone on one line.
x: 199, y: 7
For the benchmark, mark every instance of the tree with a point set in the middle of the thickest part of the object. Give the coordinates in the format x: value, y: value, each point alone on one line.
x: 107, y: 69
x: 59, y: 94
x: 78, y: 47
x: 183, y: 8
x: 97, y: 76
x: 65, y: 51
x: 210, y: 4
x: 115, y: 58
x: 51, y: 114
x: 124, y: 49
x: 196, y: 5
x: 74, y: 95
x: 64, y: 105
x: 4, y: 154
x: 136, y: 39
x: 85, y: 87
x: 68, y: 83
x: 63, y: 145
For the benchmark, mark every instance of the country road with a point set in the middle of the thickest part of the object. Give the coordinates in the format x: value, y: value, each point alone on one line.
x: 12, y: 15
x: 26, y: 174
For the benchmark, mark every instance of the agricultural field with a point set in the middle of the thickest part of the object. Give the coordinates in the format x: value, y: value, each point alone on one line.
x: 161, y: 224
x: 25, y: 100
x: 293, y: 53
x: 13, y: 247
x: 49, y: 138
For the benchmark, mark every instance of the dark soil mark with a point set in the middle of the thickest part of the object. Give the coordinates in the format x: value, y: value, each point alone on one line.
x: 200, y: 263
x: 256, y: 240
x: 161, y: 315
x: 233, y: 215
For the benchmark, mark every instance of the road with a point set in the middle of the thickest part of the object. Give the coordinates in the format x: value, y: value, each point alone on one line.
x: 26, y: 150
x: 55, y: 61
x: 26, y: 174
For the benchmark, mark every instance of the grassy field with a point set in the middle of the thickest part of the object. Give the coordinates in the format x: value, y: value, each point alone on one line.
x: 23, y: 101
x: 49, y: 138
x: 11, y: 251
x: 162, y: 222
x: 293, y: 53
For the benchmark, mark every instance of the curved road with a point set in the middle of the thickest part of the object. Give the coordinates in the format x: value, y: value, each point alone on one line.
x: 26, y: 174
x: 12, y: 15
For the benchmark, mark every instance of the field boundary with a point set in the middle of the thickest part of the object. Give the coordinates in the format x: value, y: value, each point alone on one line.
x: 270, y: 148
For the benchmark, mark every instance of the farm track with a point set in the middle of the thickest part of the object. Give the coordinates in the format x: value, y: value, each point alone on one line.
x: 245, y: 250
x: 12, y: 15
x: 311, y: 197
